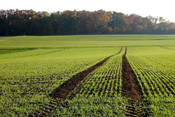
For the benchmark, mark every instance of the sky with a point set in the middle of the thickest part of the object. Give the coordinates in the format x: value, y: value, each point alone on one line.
x: 163, y: 8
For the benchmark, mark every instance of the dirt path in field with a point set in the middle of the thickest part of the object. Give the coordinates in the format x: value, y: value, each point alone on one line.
x: 130, y: 85
x: 67, y: 89
x: 130, y: 89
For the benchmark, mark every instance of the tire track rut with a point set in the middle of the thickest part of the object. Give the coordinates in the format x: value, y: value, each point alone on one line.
x: 67, y: 89
x: 131, y: 89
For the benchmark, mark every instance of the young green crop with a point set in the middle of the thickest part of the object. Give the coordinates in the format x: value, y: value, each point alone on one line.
x: 104, y: 81
x: 154, y: 67
x: 7, y: 51
x: 100, y: 94
x: 27, y: 78
x: 86, y: 41
x: 92, y: 106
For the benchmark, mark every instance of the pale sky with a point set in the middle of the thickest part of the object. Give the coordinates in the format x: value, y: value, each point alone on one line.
x: 164, y: 8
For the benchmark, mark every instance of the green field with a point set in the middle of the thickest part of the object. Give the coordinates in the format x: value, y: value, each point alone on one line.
x: 31, y: 67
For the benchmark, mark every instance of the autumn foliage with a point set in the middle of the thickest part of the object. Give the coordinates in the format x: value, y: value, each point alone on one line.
x: 29, y: 22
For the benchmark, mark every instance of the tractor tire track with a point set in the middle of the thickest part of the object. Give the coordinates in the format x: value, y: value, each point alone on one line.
x: 131, y: 89
x: 67, y: 89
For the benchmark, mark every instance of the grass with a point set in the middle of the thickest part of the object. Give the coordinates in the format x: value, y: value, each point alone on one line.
x: 104, y: 81
x: 78, y: 41
x: 32, y: 66
x: 28, y: 77
x: 92, y: 106
x: 155, y: 70
x: 161, y: 106
x: 9, y: 51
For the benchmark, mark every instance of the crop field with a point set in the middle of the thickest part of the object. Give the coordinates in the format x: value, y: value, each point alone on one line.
x: 87, y: 75
x: 154, y: 67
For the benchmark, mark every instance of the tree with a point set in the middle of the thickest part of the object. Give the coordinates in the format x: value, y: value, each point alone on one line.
x: 30, y: 22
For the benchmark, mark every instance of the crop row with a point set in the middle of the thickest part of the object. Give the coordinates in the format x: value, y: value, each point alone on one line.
x: 154, y: 68
x: 100, y: 94
x: 155, y: 73
x: 104, y: 81
x: 26, y: 81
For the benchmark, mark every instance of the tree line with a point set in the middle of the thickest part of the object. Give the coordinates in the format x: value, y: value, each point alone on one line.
x: 30, y: 22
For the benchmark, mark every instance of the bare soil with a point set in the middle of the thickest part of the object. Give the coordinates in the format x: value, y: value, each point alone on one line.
x: 131, y: 90
x: 68, y: 88
x: 130, y: 86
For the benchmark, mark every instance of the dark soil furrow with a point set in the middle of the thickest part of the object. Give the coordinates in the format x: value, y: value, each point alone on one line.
x: 130, y: 85
x: 130, y: 88
x: 68, y: 88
